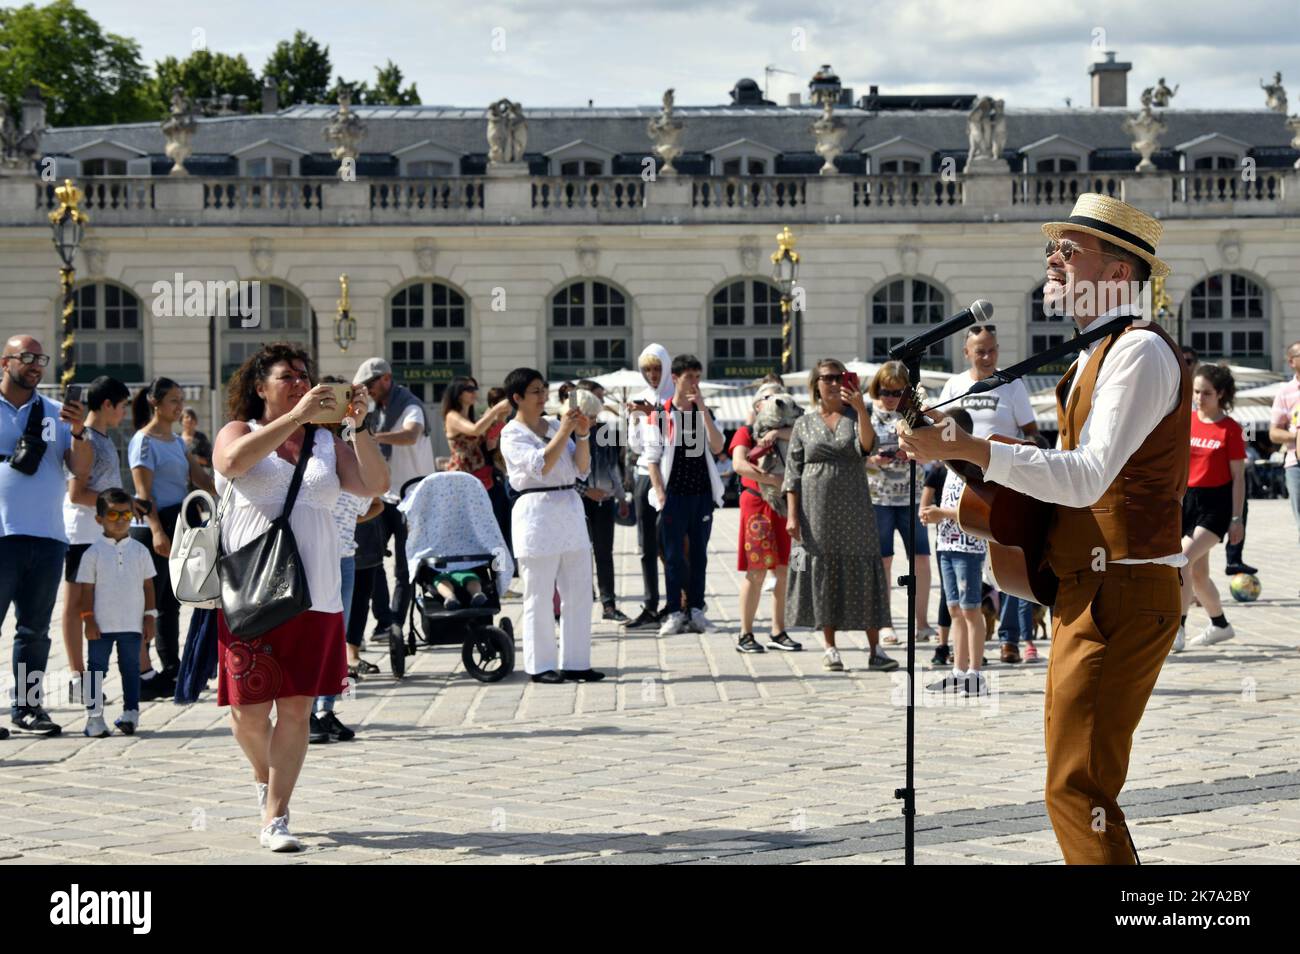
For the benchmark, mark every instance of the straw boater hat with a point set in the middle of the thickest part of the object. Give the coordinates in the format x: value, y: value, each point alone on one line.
x: 1115, y: 222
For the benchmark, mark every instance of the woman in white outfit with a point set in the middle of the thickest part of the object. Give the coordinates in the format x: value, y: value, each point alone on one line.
x: 544, y: 459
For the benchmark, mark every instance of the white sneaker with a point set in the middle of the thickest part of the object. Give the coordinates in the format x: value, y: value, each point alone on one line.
x: 831, y: 661
x: 1180, y: 640
x: 674, y: 625
x: 276, y: 836
x: 262, y: 789
x: 698, y: 622
x: 976, y: 684
x: 1212, y: 634
x: 96, y: 728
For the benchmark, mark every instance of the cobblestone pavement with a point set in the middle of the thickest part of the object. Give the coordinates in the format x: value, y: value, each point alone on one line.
x: 690, y: 752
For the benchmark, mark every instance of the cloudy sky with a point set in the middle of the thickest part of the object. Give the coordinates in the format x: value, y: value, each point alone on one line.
x: 626, y: 52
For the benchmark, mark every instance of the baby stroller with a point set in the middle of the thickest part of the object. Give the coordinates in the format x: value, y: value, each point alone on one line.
x: 450, y: 527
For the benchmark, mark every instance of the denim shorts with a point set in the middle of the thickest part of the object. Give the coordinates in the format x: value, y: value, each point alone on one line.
x: 963, y: 578
x: 891, y: 518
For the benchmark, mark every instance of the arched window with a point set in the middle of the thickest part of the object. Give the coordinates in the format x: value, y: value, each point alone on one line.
x: 428, y: 337
x: 1225, y: 315
x: 902, y: 308
x: 745, y: 330
x: 109, y: 336
x: 588, y: 330
x: 284, y: 316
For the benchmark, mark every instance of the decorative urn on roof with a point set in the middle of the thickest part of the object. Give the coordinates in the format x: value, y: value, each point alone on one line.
x: 824, y: 90
x: 666, y: 132
x: 179, y: 128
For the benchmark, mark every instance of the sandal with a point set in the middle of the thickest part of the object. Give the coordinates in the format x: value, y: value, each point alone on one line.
x: 365, y: 667
x: 888, y: 636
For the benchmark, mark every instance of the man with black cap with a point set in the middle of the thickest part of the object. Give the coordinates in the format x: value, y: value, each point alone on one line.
x: 402, y: 436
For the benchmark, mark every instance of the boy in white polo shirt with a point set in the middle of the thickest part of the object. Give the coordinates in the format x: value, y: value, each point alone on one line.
x: 115, y: 576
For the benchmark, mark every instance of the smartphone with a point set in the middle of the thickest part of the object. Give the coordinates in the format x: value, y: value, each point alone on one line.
x: 76, y: 392
x: 849, y: 380
x: 573, y: 398
x: 342, y: 395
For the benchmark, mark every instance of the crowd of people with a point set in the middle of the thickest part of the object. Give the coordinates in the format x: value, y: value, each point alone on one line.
x: 824, y: 494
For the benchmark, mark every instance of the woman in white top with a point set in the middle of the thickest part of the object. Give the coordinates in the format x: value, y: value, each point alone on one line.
x: 271, y: 399
x: 544, y: 459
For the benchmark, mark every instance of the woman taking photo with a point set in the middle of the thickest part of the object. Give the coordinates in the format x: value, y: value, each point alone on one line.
x: 1216, y: 493
x: 465, y: 435
x: 838, y: 581
x: 888, y: 473
x: 545, y: 458
x: 162, y: 471
x: 272, y: 404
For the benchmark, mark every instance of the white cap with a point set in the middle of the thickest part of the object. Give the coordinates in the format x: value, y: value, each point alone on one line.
x: 370, y: 369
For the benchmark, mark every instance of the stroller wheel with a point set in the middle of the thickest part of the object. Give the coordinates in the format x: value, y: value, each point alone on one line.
x: 397, y: 655
x: 488, y: 654
x: 507, y: 626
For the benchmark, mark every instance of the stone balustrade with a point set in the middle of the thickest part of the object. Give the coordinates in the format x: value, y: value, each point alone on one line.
x: 542, y: 200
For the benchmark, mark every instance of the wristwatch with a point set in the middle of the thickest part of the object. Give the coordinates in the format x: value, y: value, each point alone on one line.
x: 1236, y: 520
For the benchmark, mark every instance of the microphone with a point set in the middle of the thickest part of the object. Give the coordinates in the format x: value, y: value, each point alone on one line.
x: 913, y: 347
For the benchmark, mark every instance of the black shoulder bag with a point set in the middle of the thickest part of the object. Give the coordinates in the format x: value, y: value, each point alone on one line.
x: 263, y: 583
x: 30, y: 448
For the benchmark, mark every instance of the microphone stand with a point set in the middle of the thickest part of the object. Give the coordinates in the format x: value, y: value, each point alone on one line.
x: 908, y: 792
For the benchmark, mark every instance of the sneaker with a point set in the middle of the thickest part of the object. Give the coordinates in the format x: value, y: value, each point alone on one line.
x: 338, y: 732
x: 1180, y: 641
x: 949, y: 683
x: 888, y: 636
x: 451, y: 604
x: 782, y: 641
x: 1031, y: 652
x: 127, y: 721
x: 1212, y: 634
x: 1232, y: 569
x: 831, y: 661
x: 1010, y: 654
x: 35, y: 719
x: 317, y: 732
x: 748, y: 644
x: 976, y: 684
x: 698, y: 622
x: 478, y: 599
x: 550, y: 677
x: 926, y: 633
x: 582, y: 675
x: 879, y: 662
x: 276, y: 836
x: 96, y: 728
x: 674, y: 625
x: 942, y: 655
x: 645, y: 619
x: 612, y: 612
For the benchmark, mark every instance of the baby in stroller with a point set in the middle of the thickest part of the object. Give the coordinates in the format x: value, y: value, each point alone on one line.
x: 459, y: 566
x: 446, y: 583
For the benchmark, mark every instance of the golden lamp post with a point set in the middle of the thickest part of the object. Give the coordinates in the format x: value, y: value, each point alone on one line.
x: 69, y: 225
x: 785, y: 272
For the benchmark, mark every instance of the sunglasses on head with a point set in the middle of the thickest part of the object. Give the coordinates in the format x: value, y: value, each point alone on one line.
x: 980, y: 329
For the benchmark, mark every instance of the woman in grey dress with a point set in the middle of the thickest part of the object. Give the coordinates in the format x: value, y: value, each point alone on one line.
x: 839, y: 582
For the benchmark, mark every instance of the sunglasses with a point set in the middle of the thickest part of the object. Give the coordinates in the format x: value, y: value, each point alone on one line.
x: 26, y: 357
x: 892, y: 392
x: 1068, y: 248
x: 980, y: 329
x: 114, y: 516
x: 831, y: 378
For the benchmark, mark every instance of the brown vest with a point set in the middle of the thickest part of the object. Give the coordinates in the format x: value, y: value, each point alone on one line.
x: 1139, y: 516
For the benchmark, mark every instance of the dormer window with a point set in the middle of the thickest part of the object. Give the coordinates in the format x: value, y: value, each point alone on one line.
x: 1211, y: 152
x: 103, y: 167
x: 582, y: 167
x: 900, y: 167
x: 1056, y: 164
x: 427, y: 160
x: 1215, y: 162
x: 267, y: 159
x: 1056, y: 154
x: 744, y: 157
x: 899, y: 156
x: 428, y: 169
x: 268, y: 167
x: 744, y: 167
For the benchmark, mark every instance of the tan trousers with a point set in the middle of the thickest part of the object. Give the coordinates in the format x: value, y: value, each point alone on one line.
x: 1111, y: 632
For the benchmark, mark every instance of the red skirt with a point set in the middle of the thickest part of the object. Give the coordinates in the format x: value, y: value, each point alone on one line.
x: 764, y: 541
x: 306, y: 656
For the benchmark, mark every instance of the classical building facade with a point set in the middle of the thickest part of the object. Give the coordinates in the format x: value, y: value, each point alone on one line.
x: 555, y: 238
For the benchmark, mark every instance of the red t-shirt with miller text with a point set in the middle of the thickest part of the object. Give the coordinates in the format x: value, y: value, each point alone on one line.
x: 1213, y: 446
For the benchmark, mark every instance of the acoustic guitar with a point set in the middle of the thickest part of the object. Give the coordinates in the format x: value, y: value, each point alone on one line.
x: 1014, y: 525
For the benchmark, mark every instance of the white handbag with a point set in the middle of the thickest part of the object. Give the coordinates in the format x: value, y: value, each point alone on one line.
x: 192, y: 565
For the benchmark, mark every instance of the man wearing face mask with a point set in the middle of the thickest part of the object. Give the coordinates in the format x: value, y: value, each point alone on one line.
x: 402, y: 434
x: 37, y: 438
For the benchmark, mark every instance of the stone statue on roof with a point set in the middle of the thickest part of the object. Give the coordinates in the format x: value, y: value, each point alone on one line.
x: 665, y: 130
x: 1162, y: 94
x: 507, y: 132
x: 345, y: 129
x: 178, y: 129
x: 1276, y: 94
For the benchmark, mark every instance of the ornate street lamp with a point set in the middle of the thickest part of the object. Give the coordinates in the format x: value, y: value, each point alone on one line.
x: 345, y: 326
x: 69, y: 225
x: 785, y: 273
x: 1161, y: 304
